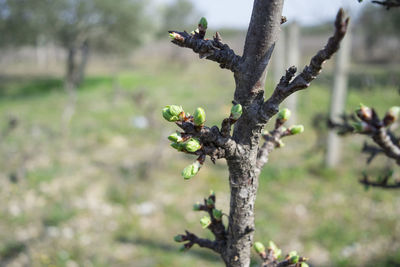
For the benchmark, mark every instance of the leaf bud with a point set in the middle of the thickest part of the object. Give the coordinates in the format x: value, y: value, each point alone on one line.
x: 205, y: 222
x: 171, y: 113
x: 203, y: 23
x: 259, y: 247
x: 192, y: 145
x: 199, y: 117
x: 177, y: 146
x: 364, y: 112
x: 210, y: 202
x: 304, y: 264
x: 294, y: 259
x: 272, y: 246
x: 175, y: 137
x: 284, y: 114
x: 361, y: 127
x: 236, y: 111
x: 296, y: 129
x: 191, y: 170
x: 197, y: 206
x: 391, y: 116
x: 217, y: 214
x: 179, y: 238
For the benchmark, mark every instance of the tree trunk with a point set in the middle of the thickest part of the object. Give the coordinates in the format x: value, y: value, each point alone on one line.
x: 83, y: 63
x: 250, y: 82
x: 70, y: 88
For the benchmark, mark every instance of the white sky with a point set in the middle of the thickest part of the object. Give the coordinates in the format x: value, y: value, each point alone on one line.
x: 307, y: 12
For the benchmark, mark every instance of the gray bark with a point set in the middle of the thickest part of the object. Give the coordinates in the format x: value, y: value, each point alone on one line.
x: 338, y: 101
x: 250, y: 83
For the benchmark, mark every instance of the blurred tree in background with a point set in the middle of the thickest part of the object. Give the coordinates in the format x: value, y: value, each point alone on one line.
x: 75, y: 25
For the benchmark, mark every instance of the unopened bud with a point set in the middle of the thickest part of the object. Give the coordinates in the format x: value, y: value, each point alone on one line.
x: 172, y: 112
x: 175, y: 137
x: 210, y: 202
x: 192, y: 145
x: 272, y: 246
x: 217, y: 214
x: 236, y: 111
x: 259, y: 247
x: 203, y: 23
x: 296, y: 129
x: 179, y: 238
x: 205, y: 222
x: 364, y: 112
x: 177, y: 146
x: 361, y: 127
x: 294, y: 259
x: 191, y: 170
x: 304, y: 264
x: 212, y: 193
x: 197, y: 207
x: 199, y: 117
x: 292, y: 254
x: 391, y: 116
x: 284, y: 114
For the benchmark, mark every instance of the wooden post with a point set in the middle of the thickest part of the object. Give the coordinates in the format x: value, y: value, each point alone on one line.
x: 279, y: 57
x: 338, y: 100
x: 293, y: 60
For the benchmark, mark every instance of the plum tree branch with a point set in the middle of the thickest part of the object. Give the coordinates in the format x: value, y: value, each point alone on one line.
x: 287, y: 86
x: 213, y: 50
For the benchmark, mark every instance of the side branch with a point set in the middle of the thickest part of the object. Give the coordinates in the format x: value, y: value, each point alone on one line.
x: 388, y: 3
x: 287, y: 86
x: 213, y: 50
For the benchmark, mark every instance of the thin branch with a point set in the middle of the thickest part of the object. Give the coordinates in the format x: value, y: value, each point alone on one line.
x: 388, y: 3
x: 381, y: 183
x: 213, y: 50
x: 286, y: 87
x: 201, y: 242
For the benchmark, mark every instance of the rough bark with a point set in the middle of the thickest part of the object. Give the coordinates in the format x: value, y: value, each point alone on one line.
x: 250, y: 83
x: 242, y: 150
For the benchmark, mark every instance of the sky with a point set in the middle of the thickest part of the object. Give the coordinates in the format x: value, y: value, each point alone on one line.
x: 306, y: 12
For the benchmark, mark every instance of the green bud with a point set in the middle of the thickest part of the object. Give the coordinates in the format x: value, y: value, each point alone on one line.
x: 294, y: 259
x: 182, y: 248
x: 197, y: 206
x: 177, y: 146
x: 171, y: 113
x: 175, y: 137
x: 284, y: 114
x: 217, y: 214
x: 191, y: 170
x: 360, y: 126
x: 280, y: 144
x: 205, y: 222
x: 199, y: 117
x: 293, y: 253
x: 210, y: 202
x: 236, y: 111
x: 203, y: 23
x: 212, y: 193
x: 179, y: 238
x: 175, y: 110
x: 259, y: 247
x: 192, y: 145
x: 296, y: 129
x: 172, y: 36
x: 272, y: 246
x: 304, y: 264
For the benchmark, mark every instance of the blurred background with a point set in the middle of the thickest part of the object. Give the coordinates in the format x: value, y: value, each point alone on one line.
x: 87, y: 176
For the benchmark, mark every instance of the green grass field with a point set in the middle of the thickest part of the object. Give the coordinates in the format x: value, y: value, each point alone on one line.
x: 104, y: 192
